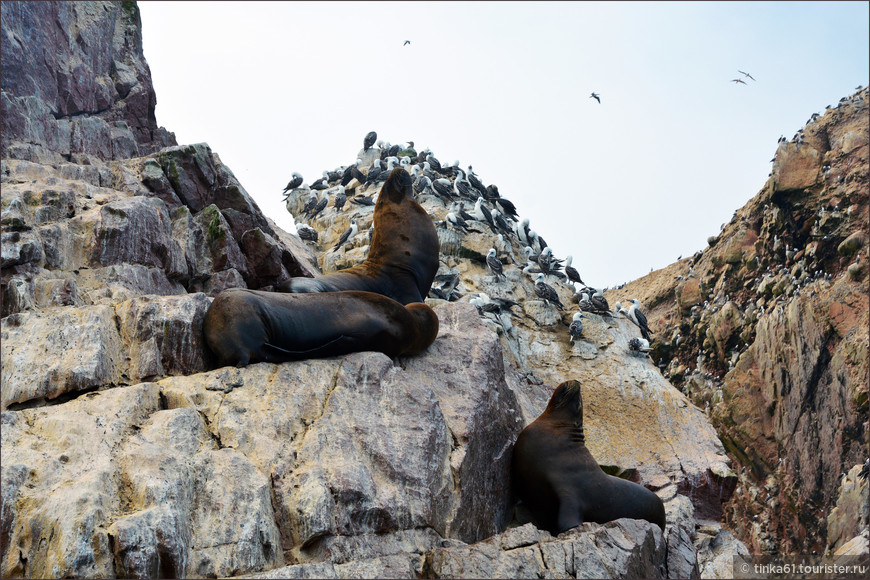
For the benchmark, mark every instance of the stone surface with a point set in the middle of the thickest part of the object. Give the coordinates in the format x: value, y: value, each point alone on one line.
x: 775, y: 346
x: 851, y: 517
x: 620, y: 549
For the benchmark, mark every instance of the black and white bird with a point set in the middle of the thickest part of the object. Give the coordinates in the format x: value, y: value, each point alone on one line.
x: 443, y: 188
x: 495, y: 265
x: 636, y: 316
x: 522, y: 231
x: 295, y: 181
x: 320, y: 184
x: 596, y: 97
x: 456, y: 222
x: 461, y: 187
x: 347, y: 235
x: 422, y: 184
x: 585, y: 303
x: 444, y: 286
x: 482, y: 214
x: 507, y: 207
x: 571, y: 271
x: 339, y: 199
x: 319, y: 206
x: 369, y: 140
x: 576, y: 328
x: 639, y: 345
x: 547, y: 292
x: 306, y: 233
x: 475, y: 182
x: 599, y: 301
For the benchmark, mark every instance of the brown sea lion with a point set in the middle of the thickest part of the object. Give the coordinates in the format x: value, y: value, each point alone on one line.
x: 560, y: 482
x: 243, y: 326
x: 403, y: 256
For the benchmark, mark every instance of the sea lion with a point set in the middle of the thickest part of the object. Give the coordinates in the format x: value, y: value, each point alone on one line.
x: 555, y: 475
x: 403, y: 255
x: 242, y: 326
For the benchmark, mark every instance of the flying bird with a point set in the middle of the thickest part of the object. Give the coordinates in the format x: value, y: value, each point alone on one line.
x: 745, y: 74
x: 738, y: 81
x: 407, y: 42
x: 595, y: 96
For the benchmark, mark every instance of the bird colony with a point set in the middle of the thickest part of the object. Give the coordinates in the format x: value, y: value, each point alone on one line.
x: 490, y: 256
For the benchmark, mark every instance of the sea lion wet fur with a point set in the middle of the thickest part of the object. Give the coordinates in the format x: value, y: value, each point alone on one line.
x: 403, y: 256
x: 556, y: 477
x: 243, y: 326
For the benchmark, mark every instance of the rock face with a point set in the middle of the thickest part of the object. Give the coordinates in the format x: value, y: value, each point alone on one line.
x: 75, y: 83
x: 125, y: 452
x: 777, y: 306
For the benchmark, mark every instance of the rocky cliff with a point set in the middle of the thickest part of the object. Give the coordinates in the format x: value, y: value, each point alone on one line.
x: 767, y: 330
x: 126, y: 452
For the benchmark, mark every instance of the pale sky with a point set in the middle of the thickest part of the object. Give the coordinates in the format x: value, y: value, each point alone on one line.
x: 647, y: 175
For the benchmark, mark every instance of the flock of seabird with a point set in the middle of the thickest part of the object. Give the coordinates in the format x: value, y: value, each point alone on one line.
x: 489, y: 213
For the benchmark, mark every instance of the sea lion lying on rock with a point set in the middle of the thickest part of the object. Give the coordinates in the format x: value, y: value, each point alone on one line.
x: 555, y: 475
x: 403, y: 256
x: 243, y: 326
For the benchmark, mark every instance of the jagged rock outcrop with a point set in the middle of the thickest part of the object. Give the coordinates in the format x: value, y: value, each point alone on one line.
x: 75, y: 83
x: 767, y: 329
x: 125, y: 451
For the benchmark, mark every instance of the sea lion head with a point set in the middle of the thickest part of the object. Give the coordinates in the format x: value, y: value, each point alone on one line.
x: 426, y: 322
x: 567, y: 402
x: 397, y: 186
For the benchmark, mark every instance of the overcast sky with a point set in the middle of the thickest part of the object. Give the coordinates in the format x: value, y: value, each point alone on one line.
x: 672, y: 150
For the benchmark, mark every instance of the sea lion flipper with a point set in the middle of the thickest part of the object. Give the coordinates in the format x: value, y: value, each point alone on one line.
x: 569, y: 514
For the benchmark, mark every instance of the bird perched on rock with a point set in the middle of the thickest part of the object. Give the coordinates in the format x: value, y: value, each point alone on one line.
x: 584, y: 302
x: 636, y: 316
x: 339, y: 199
x: 576, y: 328
x: 295, y: 181
x: 444, y: 286
x: 546, y: 292
x: 571, y: 271
x: 599, y: 301
x: 482, y: 214
x: 321, y: 183
x: 457, y: 223
x: 319, y: 206
x: 638, y: 345
x: 495, y: 264
x: 306, y: 233
x: 369, y: 140
x: 346, y: 236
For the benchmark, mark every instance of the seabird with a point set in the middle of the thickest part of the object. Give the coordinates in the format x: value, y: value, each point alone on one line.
x: 507, y: 207
x: 362, y: 200
x: 599, y: 301
x: 320, y: 184
x: 309, y: 205
x: 457, y: 222
x: 445, y: 285
x: 638, y: 345
x: 347, y: 235
x: 738, y: 81
x: 407, y: 42
x: 369, y: 140
x: 460, y: 211
x: 636, y: 316
x: 340, y: 198
x: 306, y: 232
x: 576, y: 328
x: 462, y: 188
x: 745, y: 74
x: 495, y: 264
x: 421, y: 184
x: 595, y: 96
x: 295, y: 181
x: 571, y: 271
x: 374, y: 172
x: 500, y: 223
x: 475, y: 182
x: 584, y: 303
x: 547, y: 292
x: 482, y: 214
x: 522, y: 231
x: 443, y: 188
x: 324, y: 200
